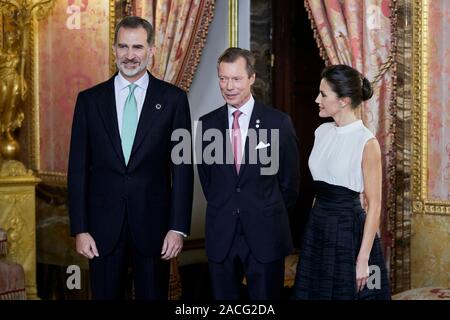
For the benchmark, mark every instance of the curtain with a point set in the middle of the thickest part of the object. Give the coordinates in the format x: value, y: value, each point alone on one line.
x: 180, y: 27
x: 358, y: 34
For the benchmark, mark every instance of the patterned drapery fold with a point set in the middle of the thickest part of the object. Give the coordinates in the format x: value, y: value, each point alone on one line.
x: 181, y: 27
x: 358, y: 33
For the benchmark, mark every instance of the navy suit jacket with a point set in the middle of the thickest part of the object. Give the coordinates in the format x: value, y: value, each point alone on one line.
x: 155, y: 194
x: 260, y: 202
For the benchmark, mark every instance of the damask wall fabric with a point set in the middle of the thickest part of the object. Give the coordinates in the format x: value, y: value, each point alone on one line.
x: 73, y: 55
x: 439, y: 101
x: 358, y: 33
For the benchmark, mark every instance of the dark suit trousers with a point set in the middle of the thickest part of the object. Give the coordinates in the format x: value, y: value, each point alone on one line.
x: 109, y: 273
x: 264, y: 280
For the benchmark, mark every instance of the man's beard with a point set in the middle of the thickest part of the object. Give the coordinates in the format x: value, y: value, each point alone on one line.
x: 132, y: 72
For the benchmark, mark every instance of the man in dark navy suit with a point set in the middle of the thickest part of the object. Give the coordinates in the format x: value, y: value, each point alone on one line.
x: 247, y: 225
x: 127, y: 199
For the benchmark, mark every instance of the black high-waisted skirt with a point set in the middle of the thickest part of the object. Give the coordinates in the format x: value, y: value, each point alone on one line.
x: 331, y: 243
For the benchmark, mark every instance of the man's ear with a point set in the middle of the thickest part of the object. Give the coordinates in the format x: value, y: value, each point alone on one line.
x: 252, y: 79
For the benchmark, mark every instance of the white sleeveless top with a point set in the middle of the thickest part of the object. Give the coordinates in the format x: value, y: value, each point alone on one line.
x: 336, y: 157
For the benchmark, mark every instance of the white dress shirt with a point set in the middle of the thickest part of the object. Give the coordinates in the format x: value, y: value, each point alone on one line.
x: 244, y: 119
x: 122, y: 91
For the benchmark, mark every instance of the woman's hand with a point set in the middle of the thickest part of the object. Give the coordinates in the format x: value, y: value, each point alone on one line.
x: 362, y: 273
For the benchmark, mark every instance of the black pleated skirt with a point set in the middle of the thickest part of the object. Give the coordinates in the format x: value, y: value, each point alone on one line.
x: 327, y: 264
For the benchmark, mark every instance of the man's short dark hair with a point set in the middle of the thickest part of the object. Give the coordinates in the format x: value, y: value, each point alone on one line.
x: 232, y: 54
x: 133, y: 22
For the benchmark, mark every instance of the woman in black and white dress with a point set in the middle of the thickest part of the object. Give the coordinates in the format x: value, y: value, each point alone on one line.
x: 340, y: 241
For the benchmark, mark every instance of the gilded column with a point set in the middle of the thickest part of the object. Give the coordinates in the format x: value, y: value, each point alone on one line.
x: 18, y: 218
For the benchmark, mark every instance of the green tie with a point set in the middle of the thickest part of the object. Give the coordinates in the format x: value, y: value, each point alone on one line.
x: 129, y: 123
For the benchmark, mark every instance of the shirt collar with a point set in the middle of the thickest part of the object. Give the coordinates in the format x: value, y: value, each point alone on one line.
x: 246, y: 109
x: 142, y: 82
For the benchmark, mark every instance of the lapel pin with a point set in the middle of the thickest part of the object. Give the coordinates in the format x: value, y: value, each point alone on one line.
x: 257, y: 126
x: 158, y: 106
x: 258, y: 121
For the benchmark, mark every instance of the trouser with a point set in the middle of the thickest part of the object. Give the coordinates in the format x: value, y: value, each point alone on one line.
x: 108, y: 274
x: 264, y: 280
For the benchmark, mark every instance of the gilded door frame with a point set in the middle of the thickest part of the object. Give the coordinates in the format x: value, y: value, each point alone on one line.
x: 422, y: 204
x: 233, y: 23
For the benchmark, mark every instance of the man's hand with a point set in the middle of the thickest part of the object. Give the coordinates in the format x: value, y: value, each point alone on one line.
x: 173, y: 243
x: 85, y: 245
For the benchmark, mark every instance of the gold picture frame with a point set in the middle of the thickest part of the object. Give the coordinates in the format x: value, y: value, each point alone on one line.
x: 33, y: 156
x: 422, y: 204
x: 1, y: 29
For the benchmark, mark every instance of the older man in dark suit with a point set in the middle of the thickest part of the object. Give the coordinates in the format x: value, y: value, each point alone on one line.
x: 247, y: 225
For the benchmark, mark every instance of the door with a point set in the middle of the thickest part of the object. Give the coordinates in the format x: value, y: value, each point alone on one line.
x: 296, y: 79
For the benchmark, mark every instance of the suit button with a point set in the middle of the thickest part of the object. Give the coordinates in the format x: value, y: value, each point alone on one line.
x: 238, y: 189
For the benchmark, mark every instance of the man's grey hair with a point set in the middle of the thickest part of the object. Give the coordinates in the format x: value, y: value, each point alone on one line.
x: 232, y: 54
x: 133, y: 22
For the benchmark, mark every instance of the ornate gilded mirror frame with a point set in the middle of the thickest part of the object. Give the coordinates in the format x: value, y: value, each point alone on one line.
x: 422, y: 203
x: 34, y: 152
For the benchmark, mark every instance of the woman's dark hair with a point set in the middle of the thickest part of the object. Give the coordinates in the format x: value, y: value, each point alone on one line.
x: 348, y: 82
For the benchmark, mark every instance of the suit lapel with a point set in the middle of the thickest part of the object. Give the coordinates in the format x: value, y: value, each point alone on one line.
x: 153, y: 98
x: 108, y: 113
